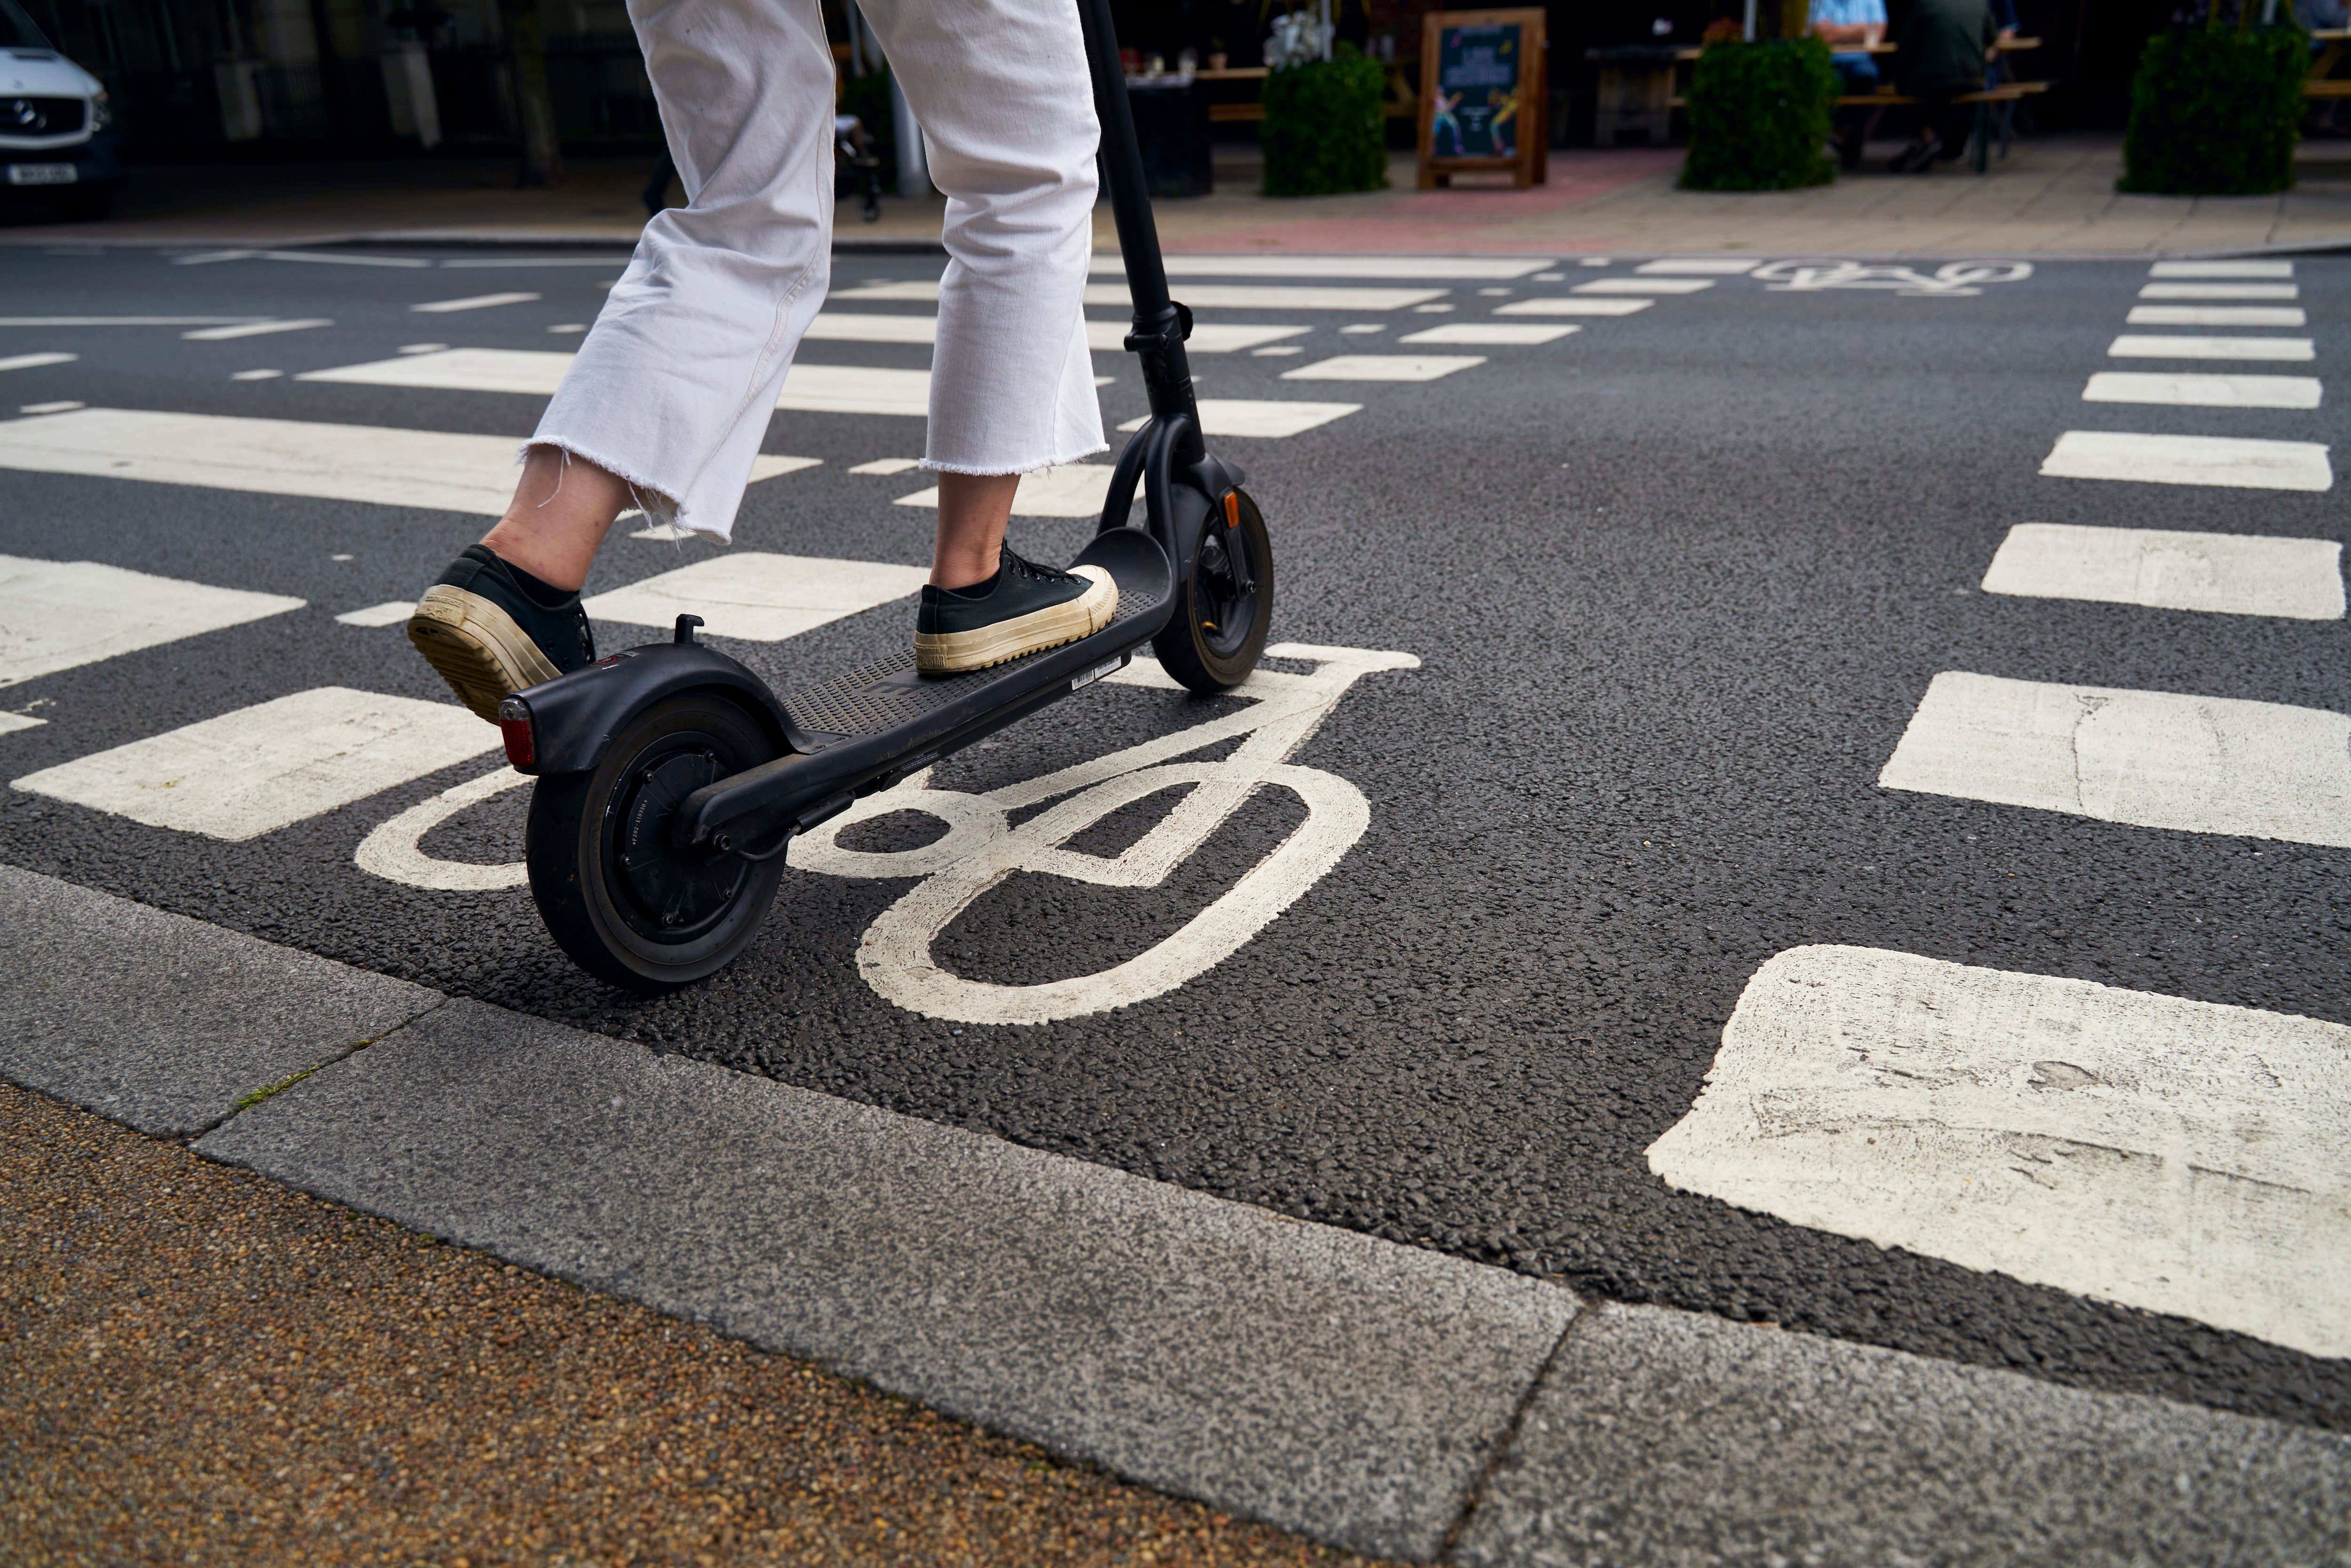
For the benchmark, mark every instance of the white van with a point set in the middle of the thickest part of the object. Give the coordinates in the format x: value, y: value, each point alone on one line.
x: 55, y: 131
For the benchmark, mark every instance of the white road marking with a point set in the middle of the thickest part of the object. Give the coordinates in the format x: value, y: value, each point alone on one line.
x: 814, y: 389
x: 1200, y: 297
x: 421, y: 348
x: 373, y: 464
x: 1644, y: 286
x: 1261, y: 418
x: 1383, y: 368
x: 1698, y: 267
x: 63, y: 405
x: 981, y: 848
x: 1279, y: 351
x: 568, y: 328
x: 254, y: 329
x: 2221, y: 269
x: 1073, y: 490
x: 1208, y: 337
x: 34, y: 362
x: 513, y: 261
x: 2177, y: 1157
x: 2183, y: 347
x: 262, y: 768
x: 472, y: 302
x: 393, y: 851
x: 2234, y: 461
x: 337, y: 259
x: 2218, y: 291
x: 1432, y: 309
x: 391, y: 613
x: 758, y: 597
x: 856, y: 389
x: 122, y: 320
x: 1494, y: 332
x: 11, y: 722
x: 60, y: 614
x: 1363, y: 329
x: 1573, y: 307
x: 257, y: 375
x: 2227, y: 574
x: 1432, y: 269
x: 2154, y: 759
x: 2203, y: 392
x: 887, y: 465
x: 525, y: 371
x: 2216, y: 316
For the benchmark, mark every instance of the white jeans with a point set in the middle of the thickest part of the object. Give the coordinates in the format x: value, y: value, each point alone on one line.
x: 674, y: 383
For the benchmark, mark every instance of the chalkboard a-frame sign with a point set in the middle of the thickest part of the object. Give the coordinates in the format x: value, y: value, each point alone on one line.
x: 1485, y: 96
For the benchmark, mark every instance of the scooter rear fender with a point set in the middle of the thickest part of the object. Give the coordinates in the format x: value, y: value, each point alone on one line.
x: 574, y: 718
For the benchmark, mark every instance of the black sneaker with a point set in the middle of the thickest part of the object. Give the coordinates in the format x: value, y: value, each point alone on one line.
x: 492, y: 629
x: 1022, y: 608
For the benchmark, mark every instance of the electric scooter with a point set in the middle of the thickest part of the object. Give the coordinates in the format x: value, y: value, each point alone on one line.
x: 671, y: 780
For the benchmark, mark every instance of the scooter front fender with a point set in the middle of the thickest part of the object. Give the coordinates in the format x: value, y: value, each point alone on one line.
x: 574, y: 718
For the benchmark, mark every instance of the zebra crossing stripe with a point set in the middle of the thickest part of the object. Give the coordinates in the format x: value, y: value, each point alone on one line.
x: 2185, y: 347
x: 266, y: 767
x: 2203, y: 392
x: 1073, y: 490
x: 1573, y: 307
x: 254, y: 329
x: 2227, y: 574
x: 2221, y: 269
x: 1198, y: 296
x: 66, y: 613
x: 373, y: 464
x: 2218, y: 291
x: 1383, y: 368
x: 2153, y: 760
x: 1698, y: 267
x: 1496, y: 333
x: 1643, y: 286
x: 1427, y: 268
x: 2177, y: 1157
x: 758, y: 597
x: 2216, y: 316
x: 1260, y: 418
x: 2238, y: 462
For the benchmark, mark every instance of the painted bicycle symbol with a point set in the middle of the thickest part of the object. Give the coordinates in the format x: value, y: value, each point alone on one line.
x: 1952, y: 280
x: 981, y: 847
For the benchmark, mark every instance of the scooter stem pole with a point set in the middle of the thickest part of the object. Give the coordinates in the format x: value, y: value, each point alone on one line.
x: 1159, y: 327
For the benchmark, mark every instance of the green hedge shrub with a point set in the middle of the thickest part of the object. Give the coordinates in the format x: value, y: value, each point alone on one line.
x: 1759, y: 116
x: 2215, y: 112
x: 1323, y: 129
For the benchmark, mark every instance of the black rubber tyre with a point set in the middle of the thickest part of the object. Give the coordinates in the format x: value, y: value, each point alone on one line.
x: 625, y: 905
x: 1213, y: 640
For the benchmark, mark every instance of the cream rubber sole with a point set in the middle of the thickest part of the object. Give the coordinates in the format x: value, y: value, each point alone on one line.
x: 950, y: 653
x: 476, y: 648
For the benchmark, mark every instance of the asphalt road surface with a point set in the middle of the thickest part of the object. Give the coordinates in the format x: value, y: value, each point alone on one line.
x: 1655, y: 650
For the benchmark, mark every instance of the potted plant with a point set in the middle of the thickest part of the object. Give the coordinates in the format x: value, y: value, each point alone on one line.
x: 2215, y: 110
x: 1760, y: 113
x: 1323, y: 130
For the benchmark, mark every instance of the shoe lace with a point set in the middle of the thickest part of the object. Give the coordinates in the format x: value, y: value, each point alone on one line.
x: 1013, y: 561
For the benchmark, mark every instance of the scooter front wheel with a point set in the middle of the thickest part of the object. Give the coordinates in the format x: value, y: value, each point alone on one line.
x: 1213, y: 640
x: 618, y: 898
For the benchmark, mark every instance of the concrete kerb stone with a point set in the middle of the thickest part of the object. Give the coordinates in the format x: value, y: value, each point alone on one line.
x: 1670, y: 1438
x: 163, y: 1022
x: 1344, y: 1387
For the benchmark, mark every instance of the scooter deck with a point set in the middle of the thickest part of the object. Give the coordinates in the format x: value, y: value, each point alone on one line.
x: 877, y: 724
x: 890, y: 693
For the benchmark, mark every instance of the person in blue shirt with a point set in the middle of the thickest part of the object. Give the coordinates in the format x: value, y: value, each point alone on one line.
x: 1850, y: 22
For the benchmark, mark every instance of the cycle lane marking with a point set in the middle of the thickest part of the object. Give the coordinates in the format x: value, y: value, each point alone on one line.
x: 2179, y: 1157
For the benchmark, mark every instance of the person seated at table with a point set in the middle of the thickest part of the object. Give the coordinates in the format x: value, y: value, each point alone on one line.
x: 1944, y: 48
x: 1836, y: 22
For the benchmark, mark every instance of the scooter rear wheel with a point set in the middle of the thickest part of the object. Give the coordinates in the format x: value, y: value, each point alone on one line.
x: 618, y: 898
x: 1217, y: 632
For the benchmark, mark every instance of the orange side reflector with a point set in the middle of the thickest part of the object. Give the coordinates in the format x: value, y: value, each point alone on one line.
x: 1232, y: 509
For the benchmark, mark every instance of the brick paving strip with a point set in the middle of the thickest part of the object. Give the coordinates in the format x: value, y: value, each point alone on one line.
x: 1369, y: 1397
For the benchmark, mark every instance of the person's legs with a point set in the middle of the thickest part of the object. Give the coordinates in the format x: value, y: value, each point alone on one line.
x: 1856, y: 78
x: 1006, y: 108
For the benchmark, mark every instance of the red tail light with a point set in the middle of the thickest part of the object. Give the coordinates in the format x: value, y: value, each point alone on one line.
x: 514, y: 724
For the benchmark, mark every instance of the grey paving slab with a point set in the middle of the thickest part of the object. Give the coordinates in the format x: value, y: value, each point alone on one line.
x: 1666, y: 1439
x: 1325, y: 1381
x: 165, y: 1022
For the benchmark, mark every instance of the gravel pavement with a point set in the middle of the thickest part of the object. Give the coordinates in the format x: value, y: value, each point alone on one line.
x: 199, y: 1366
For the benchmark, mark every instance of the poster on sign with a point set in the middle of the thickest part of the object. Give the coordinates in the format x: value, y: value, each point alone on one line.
x: 1484, y: 96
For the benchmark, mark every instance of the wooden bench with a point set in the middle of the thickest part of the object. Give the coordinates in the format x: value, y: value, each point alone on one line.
x: 2007, y: 92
